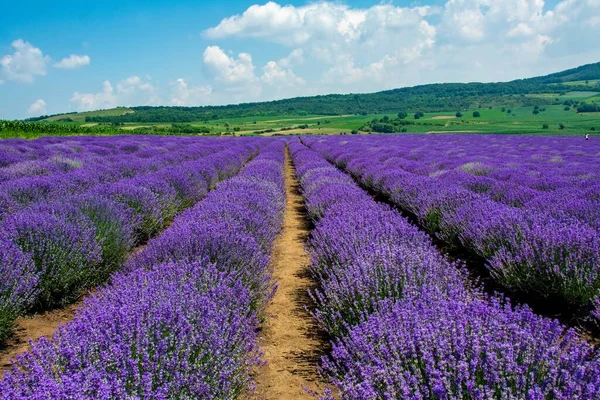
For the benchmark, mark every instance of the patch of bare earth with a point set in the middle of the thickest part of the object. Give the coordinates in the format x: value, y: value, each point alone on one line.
x: 33, y: 327
x: 290, y: 339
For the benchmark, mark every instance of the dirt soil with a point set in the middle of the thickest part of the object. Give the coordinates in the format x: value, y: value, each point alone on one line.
x: 292, y: 343
x: 33, y: 327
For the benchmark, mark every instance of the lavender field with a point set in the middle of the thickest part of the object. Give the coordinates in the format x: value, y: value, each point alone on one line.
x: 436, y: 267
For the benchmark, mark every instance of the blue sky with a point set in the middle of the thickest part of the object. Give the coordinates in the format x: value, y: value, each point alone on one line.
x: 73, y: 56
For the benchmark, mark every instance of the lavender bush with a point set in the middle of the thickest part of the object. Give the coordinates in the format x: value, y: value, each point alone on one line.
x: 66, y: 255
x: 428, y: 346
x: 176, y: 330
x: 19, y: 284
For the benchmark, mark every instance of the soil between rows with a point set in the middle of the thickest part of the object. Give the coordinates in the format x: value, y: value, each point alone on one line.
x: 290, y: 339
x: 31, y: 328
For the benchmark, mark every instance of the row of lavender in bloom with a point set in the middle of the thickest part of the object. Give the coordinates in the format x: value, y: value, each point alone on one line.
x: 180, y: 321
x: 52, y: 250
x: 544, y: 255
x: 76, y: 166
x: 559, y: 176
x: 407, y: 323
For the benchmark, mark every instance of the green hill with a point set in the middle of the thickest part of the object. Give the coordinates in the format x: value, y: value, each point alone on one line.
x: 81, y: 116
x: 444, y: 97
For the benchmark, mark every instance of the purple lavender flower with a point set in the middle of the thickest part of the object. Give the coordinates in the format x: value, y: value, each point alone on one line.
x: 18, y: 286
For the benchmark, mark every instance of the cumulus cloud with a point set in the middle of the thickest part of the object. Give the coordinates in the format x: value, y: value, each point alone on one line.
x: 73, y: 62
x: 37, y: 108
x: 274, y: 74
x: 296, y: 57
x: 184, y: 95
x: 25, y: 64
x: 294, y: 26
x: 129, y: 91
x: 228, y: 70
x: 375, y: 41
x: 94, y: 101
x: 385, y: 46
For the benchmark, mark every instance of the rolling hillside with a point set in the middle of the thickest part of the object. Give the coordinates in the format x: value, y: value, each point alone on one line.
x: 426, y: 98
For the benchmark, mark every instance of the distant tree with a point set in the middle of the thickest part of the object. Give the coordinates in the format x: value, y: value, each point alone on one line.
x: 417, y: 115
x: 567, y: 108
x: 593, y: 128
x: 355, y: 132
x: 422, y: 114
x: 402, y: 115
x: 236, y: 129
x: 536, y: 112
x: 503, y: 109
x: 588, y: 107
x: 509, y: 111
x: 404, y: 130
x: 459, y: 115
x: 545, y: 126
x: 385, y: 119
x: 561, y: 126
x: 476, y: 114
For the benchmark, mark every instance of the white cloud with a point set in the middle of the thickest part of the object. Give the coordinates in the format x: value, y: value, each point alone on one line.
x: 25, y: 63
x: 375, y: 43
x: 37, y: 108
x: 296, y: 57
x: 323, y: 21
x: 74, y: 61
x: 228, y: 70
x: 354, y: 49
x: 273, y: 74
x: 183, y: 95
x: 95, y: 101
x: 130, y: 91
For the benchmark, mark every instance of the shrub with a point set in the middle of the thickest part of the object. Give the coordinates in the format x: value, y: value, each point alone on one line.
x: 175, y: 331
x: 66, y: 255
x: 18, y: 286
x: 430, y: 347
x: 141, y: 201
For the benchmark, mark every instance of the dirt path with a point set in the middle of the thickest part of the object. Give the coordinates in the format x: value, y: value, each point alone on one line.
x: 290, y: 339
x: 33, y: 327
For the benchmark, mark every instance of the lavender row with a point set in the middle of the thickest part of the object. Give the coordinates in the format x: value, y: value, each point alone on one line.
x: 406, y: 322
x: 527, y: 251
x: 51, y: 252
x: 43, y: 157
x: 557, y: 176
x: 78, y: 175
x: 181, y: 323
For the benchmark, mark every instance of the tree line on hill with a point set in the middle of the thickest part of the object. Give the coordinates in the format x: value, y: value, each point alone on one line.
x: 428, y: 98
x: 27, y: 129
